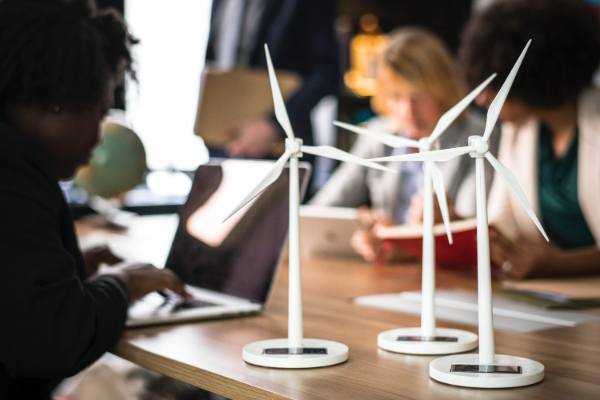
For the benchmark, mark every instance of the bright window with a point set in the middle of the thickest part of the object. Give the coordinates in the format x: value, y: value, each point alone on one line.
x: 161, y: 109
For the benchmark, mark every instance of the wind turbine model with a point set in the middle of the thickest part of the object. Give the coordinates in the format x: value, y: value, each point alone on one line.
x: 427, y: 339
x: 486, y: 369
x: 295, y: 351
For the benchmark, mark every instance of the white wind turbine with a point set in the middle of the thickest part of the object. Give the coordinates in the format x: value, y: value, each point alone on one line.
x: 295, y: 351
x: 427, y: 339
x: 486, y: 369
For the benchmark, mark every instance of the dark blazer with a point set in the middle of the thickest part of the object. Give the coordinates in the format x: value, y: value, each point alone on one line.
x: 301, y: 38
x: 55, y: 322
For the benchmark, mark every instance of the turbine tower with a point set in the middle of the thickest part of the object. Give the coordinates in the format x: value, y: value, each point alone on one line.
x: 295, y: 351
x: 486, y: 369
x: 427, y: 339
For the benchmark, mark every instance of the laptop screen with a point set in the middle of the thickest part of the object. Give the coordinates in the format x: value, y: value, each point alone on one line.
x: 238, y: 257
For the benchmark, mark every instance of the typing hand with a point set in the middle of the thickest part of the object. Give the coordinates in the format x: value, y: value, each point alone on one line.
x: 141, y: 279
x: 96, y: 255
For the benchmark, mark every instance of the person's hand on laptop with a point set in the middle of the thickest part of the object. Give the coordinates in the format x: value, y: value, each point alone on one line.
x: 251, y: 139
x: 142, y: 278
x: 96, y: 255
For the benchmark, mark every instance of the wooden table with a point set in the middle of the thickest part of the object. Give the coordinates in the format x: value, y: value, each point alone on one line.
x: 209, y: 354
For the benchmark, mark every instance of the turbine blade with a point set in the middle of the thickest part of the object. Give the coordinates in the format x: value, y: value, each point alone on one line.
x: 511, y: 181
x: 448, y: 118
x: 438, y: 184
x: 385, y: 138
x: 264, y: 182
x: 496, y: 106
x: 337, y: 154
x: 437, y: 155
x: 280, y: 111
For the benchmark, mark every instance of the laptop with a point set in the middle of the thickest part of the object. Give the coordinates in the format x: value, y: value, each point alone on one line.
x: 229, y: 268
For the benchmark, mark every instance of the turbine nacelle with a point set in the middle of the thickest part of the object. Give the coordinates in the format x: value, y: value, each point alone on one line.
x: 294, y: 146
x: 480, y: 145
x: 425, y: 144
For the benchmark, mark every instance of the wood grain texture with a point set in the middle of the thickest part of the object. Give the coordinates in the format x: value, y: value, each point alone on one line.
x: 209, y: 354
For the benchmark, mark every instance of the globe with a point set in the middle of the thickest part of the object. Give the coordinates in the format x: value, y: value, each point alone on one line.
x: 117, y: 165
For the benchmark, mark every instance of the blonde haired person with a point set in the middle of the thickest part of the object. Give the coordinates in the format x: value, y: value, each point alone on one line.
x: 418, y: 85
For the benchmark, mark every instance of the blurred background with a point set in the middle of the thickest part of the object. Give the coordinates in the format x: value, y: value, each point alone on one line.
x: 161, y: 106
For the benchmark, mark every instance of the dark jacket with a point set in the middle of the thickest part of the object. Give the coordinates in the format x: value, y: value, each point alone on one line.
x: 301, y: 38
x: 54, y: 321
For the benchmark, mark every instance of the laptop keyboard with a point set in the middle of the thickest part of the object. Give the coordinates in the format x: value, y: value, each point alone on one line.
x: 176, y: 303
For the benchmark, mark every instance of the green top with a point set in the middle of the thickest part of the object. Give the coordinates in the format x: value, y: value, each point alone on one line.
x: 557, y: 189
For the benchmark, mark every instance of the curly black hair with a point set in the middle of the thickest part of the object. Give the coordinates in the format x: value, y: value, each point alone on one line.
x: 562, y: 58
x: 60, y: 52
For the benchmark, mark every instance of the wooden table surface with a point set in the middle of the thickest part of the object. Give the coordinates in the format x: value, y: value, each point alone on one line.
x: 209, y: 354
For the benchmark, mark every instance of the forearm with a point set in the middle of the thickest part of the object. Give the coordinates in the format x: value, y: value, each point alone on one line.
x: 584, y: 261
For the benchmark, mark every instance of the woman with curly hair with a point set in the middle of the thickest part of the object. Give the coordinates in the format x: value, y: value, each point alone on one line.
x: 60, y: 61
x: 550, y: 132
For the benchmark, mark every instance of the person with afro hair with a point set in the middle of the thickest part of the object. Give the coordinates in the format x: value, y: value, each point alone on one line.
x: 60, y: 61
x: 550, y: 132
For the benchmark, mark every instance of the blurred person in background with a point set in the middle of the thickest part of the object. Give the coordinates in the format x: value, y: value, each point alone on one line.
x: 550, y: 132
x: 60, y: 61
x: 418, y: 84
x: 301, y: 39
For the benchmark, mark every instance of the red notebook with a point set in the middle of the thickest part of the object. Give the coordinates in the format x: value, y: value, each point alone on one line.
x: 409, y: 240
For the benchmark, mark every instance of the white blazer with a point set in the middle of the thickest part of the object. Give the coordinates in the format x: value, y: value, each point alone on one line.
x: 519, y: 151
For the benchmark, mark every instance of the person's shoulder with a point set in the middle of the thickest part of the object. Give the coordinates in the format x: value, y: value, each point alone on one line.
x: 371, y: 146
x: 588, y: 109
x: 381, y: 124
x: 471, y: 123
x: 590, y: 95
x: 474, y: 118
x: 589, y: 102
x: 10, y: 140
x: 23, y: 166
x: 15, y: 145
x: 13, y: 150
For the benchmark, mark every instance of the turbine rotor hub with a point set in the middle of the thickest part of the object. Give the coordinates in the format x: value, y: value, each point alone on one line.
x: 294, y: 146
x: 425, y: 146
x: 482, y: 146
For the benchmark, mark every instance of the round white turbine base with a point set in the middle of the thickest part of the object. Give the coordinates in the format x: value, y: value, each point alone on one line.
x: 254, y: 354
x: 388, y: 341
x: 532, y: 372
